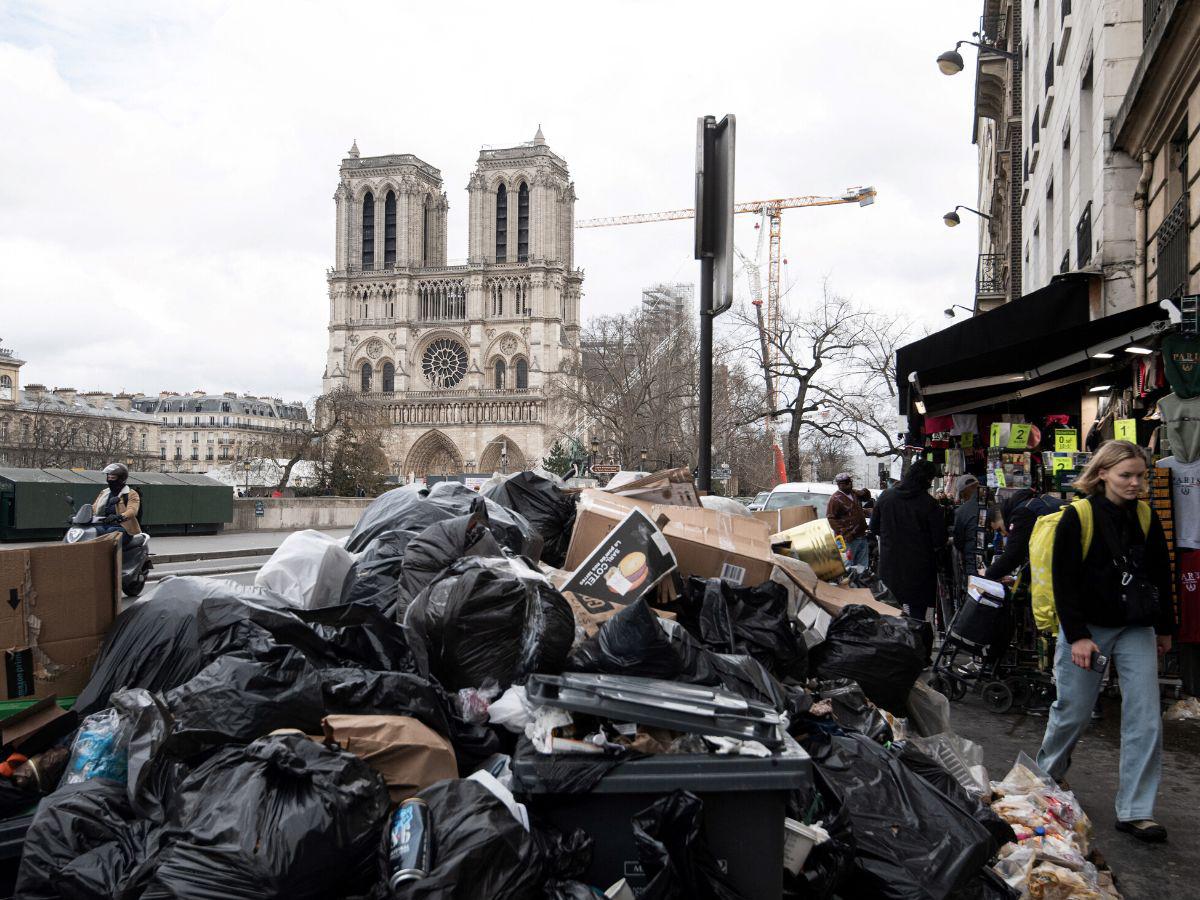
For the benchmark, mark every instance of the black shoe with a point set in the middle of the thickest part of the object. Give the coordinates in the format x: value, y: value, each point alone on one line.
x: 1144, y: 830
x: 1097, y: 715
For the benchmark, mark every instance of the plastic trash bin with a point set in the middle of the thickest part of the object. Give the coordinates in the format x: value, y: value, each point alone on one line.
x: 12, y: 839
x: 744, y: 804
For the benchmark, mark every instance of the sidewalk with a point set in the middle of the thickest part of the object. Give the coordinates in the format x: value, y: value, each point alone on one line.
x: 1143, y: 871
x: 183, y: 548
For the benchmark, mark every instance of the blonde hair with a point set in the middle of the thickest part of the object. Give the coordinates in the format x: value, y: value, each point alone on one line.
x: 1111, y: 453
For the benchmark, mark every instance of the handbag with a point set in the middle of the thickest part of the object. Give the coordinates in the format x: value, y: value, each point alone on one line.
x: 1138, y: 595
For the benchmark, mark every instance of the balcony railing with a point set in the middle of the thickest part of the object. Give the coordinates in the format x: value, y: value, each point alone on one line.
x: 5, y: 352
x: 1172, y: 241
x: 1083, y: 238
x: 1150, y: 11
x: 993, y: 32
x: 1050, y: 69
x: 990, y: 277
x: 455, y: 394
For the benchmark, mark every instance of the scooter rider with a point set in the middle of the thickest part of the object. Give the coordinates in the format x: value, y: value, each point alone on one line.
x: 118, y: 505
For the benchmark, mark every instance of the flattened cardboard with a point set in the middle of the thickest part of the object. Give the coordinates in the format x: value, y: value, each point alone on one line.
x: 673, y: 487
x: 59, y: 602
x: 408, y: 755
x: 830, y: 597
x: 782, y: 519
x: 626, y: 564
x: 590, y: 613
x: 36, y: 728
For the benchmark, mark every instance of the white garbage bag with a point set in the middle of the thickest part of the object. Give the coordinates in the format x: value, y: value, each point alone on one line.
x: 307, y: 570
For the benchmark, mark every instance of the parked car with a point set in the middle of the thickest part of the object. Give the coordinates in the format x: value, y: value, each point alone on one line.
x: 757, y: 503
x: 801, y: 493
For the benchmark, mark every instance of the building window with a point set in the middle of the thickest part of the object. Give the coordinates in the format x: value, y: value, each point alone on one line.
x: 195, y: 420
x: 499, y: 379
x: 195, y: 437
x: 389, y: 378
x: 497, y: 298
x: 366, y: 378
x: 426, y: 229
x: 501, y: 224
x: 522, y: 375
x: 143, y: 440
x: 389, y: 229
x: 225, y: 420
x: 368, y: 231
x: 6, y: 387
x: 523, y: 223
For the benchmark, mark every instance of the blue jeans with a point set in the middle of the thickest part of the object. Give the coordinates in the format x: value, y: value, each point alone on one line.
x: 860, y: 552
x: 1134, y: 653
x: 126, y: 537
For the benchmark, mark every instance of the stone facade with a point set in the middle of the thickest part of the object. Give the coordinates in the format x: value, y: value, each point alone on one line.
x: 459, y: 356
x: 200, y: 431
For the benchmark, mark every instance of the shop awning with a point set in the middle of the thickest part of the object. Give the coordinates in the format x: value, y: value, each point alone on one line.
x: 1040, y: 342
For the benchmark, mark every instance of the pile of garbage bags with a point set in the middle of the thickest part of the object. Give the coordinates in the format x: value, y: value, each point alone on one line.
x: 424, y: 710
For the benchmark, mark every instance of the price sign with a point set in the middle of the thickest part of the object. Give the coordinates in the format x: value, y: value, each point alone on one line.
x: 1000, y: 482
x: 968, y: 440
x: 1018, y: 435
x: 1063, y: 462
x: 1066, y: 440
x: 995, y: 436
x: 1126, y: 430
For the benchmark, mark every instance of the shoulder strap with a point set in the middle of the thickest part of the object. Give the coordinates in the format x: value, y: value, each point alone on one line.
x: 1083, y: 509
x: 1144, y: 513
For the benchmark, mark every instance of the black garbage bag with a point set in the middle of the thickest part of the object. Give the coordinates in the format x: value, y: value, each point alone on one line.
x: 545, y: 505
x: 354, y: 635
x: 565, y: 855
x: 911, y: 841
x: 936, y: 774
x: 828, y: 864
x: 490, y: 618
x: 86, y: 841
x: 753, y: 621
x: 637, y: 642
x: 152, y: 645
x: 852, y: 711
x: 414, y: 508
x: 439, y: 545
x: 374, y: 576
x: 283, y: 816
x: 237, y: 699
x: 669, y: 835
x: 884, y: 654
x: 480, y: 850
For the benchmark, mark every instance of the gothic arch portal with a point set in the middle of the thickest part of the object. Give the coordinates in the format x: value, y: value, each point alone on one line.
x: 490, y: 461
x: 433, y: 454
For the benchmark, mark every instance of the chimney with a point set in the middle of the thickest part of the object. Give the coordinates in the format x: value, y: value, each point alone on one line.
x: 123, y: 401
x: 231, y: 395
x: 96, y: 398
x: 199, y: 393
x: 163, y: 395
x: 34, y: 391
x: 67, y: 395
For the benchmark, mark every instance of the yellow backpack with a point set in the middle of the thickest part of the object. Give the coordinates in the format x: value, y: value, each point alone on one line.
x: 1041, y: 556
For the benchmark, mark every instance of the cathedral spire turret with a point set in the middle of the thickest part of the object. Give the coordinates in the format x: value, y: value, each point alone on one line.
x: 354, y: 149
x: 539, y: 139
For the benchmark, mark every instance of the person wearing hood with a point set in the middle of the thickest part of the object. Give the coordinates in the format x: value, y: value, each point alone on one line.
x: 118, y: 504
x: 911, y: 529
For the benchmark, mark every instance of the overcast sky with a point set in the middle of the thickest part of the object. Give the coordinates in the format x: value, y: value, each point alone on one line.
x: 167, y: 169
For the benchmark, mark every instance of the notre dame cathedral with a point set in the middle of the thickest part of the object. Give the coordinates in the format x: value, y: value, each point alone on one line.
x: 459, y: 356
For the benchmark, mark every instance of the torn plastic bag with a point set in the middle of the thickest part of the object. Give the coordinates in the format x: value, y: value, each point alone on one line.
x: 911, y: 841
x: 152, y: 644
x: 852, y: 711
x: 374, y: 576
x: 490, y: 618
x: 100, y: 749
x: 669, y: 835
x: 935, y: 773
x: 884, y: 654
x: 828, y: 863
x: 152, y: 775
x: 284, y: 816
x: 545, y: 506
x: 238, y: 699
x: 637, y: 642
x: 480, y: 849
x: 928, y: 710
x: 752, y: 621
x: 307, y: 570
x: 439, y: 545
x: 355, y: 635
x: 413, y: 508
x: 85, y: 841
x: 565, y: 856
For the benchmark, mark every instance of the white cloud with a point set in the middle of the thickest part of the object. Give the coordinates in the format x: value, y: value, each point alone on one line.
x: 166, y: 214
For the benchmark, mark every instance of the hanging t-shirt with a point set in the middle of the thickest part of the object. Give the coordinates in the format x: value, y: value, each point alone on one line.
x: 1185, y: 493
x: 1181, y: 360
x: 1187, y: 565
x: 1181, y: 418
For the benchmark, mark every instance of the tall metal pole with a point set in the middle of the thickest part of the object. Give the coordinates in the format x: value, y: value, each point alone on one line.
x: 704, y: 458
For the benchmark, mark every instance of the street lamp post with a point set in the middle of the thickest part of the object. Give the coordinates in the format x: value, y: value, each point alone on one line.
x: 951, y: 62
x: 246, y: 468
x: 952, y: 218
x: 645, y: 453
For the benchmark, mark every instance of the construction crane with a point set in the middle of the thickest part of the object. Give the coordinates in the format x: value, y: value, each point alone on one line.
x: 772, y: 212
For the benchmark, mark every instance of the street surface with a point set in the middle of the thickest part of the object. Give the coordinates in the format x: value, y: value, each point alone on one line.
x: 1143, y: 871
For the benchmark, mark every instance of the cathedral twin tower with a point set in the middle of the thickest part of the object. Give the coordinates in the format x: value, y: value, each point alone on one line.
x: 458, y: 355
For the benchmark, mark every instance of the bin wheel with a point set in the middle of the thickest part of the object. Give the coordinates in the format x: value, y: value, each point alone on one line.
x: 997, y: 696
x: 135, y: 587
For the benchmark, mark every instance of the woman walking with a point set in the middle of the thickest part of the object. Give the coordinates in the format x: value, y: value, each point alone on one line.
x: 1114, y: 602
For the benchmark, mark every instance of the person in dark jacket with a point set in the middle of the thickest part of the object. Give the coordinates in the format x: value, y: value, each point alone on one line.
x: 912, y: 531
x: 966, y: 521
x: 1106, y: 605
x: 1020, y: 512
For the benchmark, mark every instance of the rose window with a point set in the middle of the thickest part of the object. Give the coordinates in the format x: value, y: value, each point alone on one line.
x: 444, y: 363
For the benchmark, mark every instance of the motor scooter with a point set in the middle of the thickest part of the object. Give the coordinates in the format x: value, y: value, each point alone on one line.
x: 135, y: 559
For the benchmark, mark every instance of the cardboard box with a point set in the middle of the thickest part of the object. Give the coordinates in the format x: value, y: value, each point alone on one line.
x: 673, y: 487
x: 626, y: 564
x: 705, y: 542
x: 36, y: 728
x: 590, y: 613
x: 830, y: 597
x: 782, y: 519
x: 59, y: 602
